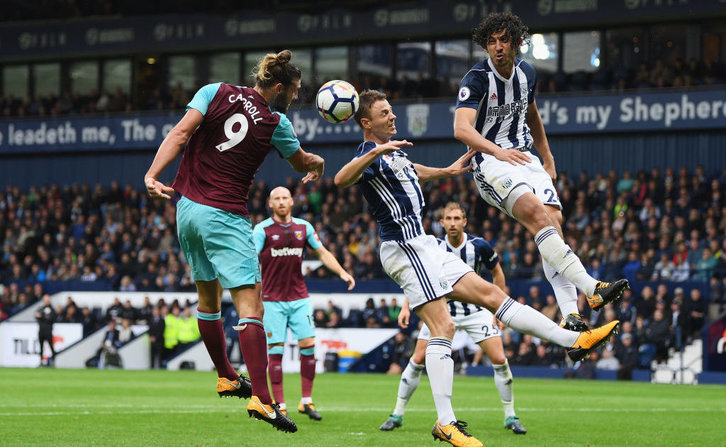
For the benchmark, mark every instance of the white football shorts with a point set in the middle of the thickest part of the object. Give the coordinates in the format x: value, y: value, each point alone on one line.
x: 424, y: 271
x: 479, y: 325
x: 496, y: 179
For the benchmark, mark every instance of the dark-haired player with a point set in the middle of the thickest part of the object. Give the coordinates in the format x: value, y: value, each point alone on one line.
x: 497, y: 116
x: 428, y: 274
x: 226, y: 134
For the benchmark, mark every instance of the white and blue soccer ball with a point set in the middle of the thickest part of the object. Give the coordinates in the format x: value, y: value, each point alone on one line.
x: 336, y: 101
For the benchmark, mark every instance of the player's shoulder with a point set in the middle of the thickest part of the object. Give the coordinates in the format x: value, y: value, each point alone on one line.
x: 265, y: 223
x: 299, y: 221
x: 364, y: 148
x: 525, y: 66
x: 481, y: 68
x: 478, y: 241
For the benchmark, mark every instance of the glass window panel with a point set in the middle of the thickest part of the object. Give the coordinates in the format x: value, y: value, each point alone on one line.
x: 452, y: 61
x: 667, y: 42
x: 181, y: 72
x: 374, y: 61
x: 15, y: 80
x: 224, y: 67
x: 331, y: 63
x: 117, y: 75
x: 84, y: 77
x: 47, y: 79
x: 542, y: 52
x: 413, y: 59
x: 581, y: 51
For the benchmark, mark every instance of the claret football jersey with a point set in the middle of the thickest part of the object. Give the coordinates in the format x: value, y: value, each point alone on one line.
x: 224, y: 153
x: 280, y: 248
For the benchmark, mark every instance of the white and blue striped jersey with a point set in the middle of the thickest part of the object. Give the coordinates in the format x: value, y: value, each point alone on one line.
x: 390, y: 185
x: 476, y: 252
x: 501, y: 103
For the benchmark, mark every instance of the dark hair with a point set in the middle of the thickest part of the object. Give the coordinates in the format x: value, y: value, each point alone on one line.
x: 365, y: 100
x: 274, y: 68
x: 501, y: 21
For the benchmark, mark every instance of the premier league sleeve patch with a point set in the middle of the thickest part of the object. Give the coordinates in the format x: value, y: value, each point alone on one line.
x: 464, y: 93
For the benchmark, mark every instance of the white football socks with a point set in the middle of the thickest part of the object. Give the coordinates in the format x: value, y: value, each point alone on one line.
x: 503, y: 381
x: 561, y: 257
x: 408, y: 384
x: 440, y: 367
x: 565, y: 291
x: 524, y: 319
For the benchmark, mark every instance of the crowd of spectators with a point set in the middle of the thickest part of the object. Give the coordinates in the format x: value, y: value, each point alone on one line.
x: 658, y: 227
x: 659, y: 75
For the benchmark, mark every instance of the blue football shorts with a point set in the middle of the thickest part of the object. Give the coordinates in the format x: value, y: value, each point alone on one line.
x: 217, y: 244
x: 297, y: 315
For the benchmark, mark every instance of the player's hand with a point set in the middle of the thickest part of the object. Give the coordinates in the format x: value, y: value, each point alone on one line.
x: 404, y: 317
x: 549, y: 167
x: 345, y: 276
x: 512, y: 156
x: 498, y: 324
x: 317, y: 172
x: 461, y: 165
x: 157, y: 190
x: 392, y: 146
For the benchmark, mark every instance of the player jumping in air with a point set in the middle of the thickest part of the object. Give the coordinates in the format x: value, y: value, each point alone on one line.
x: 228, y: 131
x: 497, y: 116
x: 477, y: 321
x: 427, y: 273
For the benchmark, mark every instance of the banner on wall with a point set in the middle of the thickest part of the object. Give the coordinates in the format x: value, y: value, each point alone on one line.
x: 19, y: 345
x: 334, y: 340
x: 418, y: 121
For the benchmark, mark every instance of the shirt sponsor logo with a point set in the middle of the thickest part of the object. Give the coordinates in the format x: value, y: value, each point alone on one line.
x: 286, y: 251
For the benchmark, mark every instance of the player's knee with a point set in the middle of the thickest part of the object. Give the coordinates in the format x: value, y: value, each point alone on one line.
x: 276, y: 349
x: 444, y: 329
x: 419, y: 357
x: 497, y: 358
x: 307, y: 350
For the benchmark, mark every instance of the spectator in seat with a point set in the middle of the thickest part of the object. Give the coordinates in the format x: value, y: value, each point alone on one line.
x: 627, y: 354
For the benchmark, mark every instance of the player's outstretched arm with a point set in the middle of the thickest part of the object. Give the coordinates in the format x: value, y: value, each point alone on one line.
x: 168, y: 151
x: 352, y: 171
x: 333, y: 265
x: 465, y: 132
x: 313, y: 164
x: 460, y: 166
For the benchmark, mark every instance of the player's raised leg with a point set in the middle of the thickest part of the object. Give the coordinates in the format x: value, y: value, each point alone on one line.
x: 504, y: 381
x: 529, y: 210
x: 209, y: 320
x: 473, y: 289
x: 565, y: 290
x: 410, y: 378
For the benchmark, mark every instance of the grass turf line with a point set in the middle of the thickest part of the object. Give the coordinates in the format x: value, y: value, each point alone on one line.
x: 181, y: 408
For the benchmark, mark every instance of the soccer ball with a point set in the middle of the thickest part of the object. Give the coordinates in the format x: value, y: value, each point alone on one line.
x: 336, y: 101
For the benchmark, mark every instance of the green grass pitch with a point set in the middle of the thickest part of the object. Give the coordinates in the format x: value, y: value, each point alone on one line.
x: 49, y: 407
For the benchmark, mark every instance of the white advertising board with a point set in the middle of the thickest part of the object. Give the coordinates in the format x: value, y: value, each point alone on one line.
x: 19, y: 345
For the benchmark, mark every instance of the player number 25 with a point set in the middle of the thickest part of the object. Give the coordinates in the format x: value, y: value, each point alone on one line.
x: 234, y: 137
